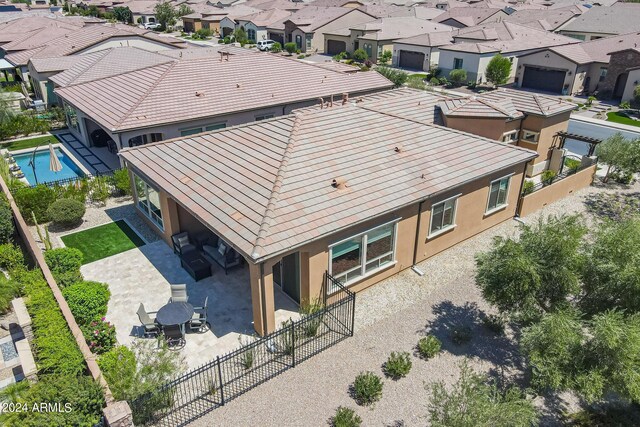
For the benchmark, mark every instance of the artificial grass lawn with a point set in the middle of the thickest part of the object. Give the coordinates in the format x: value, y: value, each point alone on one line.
x: 617, y: 118
x: 103, y: 241
x: 30, y: 142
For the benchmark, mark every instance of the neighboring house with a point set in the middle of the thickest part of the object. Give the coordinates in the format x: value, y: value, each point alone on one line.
x: 358, y: 194
x: 623, y: 74
x: 546, y: 19
x: 308, y: 26
x: 352, y: 4
x: 474, y: 47
x: 143, y: 11
x: 461, y: 17
x: 599, y: 22
x: 158, y: 102
x: 376, y: 36
x: 228, y: 24
x: 580, y: 68
x: 255, y: 25
x: 420, y: 52
x: 524, y: 119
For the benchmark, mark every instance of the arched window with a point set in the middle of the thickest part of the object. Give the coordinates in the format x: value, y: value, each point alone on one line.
x: 251, y: 34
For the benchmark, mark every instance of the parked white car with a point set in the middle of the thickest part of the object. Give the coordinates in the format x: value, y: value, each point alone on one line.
x: 265, y: 45
x: 151, y: 26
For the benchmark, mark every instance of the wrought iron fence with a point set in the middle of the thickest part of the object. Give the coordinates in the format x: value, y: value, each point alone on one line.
x: 108, y: 175
x: 203, y: 389
x: 565, y: 173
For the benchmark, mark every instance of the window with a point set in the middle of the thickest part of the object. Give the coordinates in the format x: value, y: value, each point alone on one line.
x: 530, y: 136
x: 192, y: 131
x: 148, y: 201
x: 251, y: 35
x: 299, y: 41
x: 144, y: 139
x: 215, y: 126
x: 498, y: 191
x: 457, y: 63
x: 510, y: 136
x: 443, y: 216
x: 264, y: 117
x: 308, y: 39
x: 364, y: 254
x: 368, y: 48
x: 72, y: 117
x: 603, y: 74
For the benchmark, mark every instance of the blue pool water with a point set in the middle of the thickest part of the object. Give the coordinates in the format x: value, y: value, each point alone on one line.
x: 69, y: 168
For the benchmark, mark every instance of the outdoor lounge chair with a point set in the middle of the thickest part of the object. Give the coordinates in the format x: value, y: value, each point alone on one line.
x: 174, y: 337
x: 199, y: 320
x: 179, y: 293
x: 182, y: 244
x: 223, y: 254
x: 150, y: 326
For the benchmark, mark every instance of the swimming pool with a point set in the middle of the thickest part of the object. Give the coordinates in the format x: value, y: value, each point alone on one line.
x: 69, y: 168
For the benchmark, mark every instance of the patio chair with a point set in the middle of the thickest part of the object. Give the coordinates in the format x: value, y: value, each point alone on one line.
x: 199, y: 320
x: 174, y: 336
x: 179, y: 293
x: 223, y: 255
x: 150, y: 326
x: 182, y: 244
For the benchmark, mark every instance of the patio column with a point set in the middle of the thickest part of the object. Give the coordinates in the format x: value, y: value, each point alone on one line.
x: 262, y: 301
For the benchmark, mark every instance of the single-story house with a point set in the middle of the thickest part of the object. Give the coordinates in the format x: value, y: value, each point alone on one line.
x: 461, y: 17
x: 599, y: 22
x: 379, y: 35
x: 256, y: 24
x: 623, y: 75
x: 157, y: 102
x: 228, y: 23
x: 420, y: 52
x: 341, y: 193
x: 579, y: 68
x: 506, y: 38
x: 546, y: 19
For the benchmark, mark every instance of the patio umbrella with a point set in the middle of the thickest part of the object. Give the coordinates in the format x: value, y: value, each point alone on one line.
x: 54, y: 162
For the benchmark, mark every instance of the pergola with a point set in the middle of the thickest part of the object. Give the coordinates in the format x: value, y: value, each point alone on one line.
x: 593, y: 142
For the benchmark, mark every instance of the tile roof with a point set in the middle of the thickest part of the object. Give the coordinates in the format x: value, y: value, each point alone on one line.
x: 617, y: 19
x: 469, y: 16
x: 265, y: 17
x: 478, y: 107
x: 411, y: 104
x: 106, y: 63
x: 529, y: 102
x: 597, y: 50
x: 396, y: 28
x: 266, y: 187
x: 549, y: 21
x: 439, y: 38
x: 185, y: 90
x: 310, y: 18
x: 58, y: 63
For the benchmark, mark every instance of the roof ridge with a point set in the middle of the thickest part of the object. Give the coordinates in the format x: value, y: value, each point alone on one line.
x: 494, y: 106
x: 269, y: 213
x: 535, y: 98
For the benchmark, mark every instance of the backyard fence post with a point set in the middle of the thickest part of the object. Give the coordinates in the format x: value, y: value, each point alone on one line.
x: 221, y: 381
x: 293, y: 344
x: 353, y: 313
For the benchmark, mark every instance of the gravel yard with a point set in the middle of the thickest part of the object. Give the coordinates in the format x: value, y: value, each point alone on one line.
x: 392, y: 316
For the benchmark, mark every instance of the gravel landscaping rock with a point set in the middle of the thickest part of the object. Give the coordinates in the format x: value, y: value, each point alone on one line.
x: 393, y: 316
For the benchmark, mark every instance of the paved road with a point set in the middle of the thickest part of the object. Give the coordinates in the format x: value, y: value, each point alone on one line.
x: 595, y: 129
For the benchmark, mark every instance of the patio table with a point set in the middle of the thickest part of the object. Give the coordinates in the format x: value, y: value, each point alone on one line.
x: 175, y: 313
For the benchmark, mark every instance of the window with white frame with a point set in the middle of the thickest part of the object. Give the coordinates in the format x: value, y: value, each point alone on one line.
x: 498, y: 191
x: 443, y: 216
x: 530, y: 136
x: 510, y: 136
x: 363, y: 254
x: 72, y: 117
x: 148, y: 201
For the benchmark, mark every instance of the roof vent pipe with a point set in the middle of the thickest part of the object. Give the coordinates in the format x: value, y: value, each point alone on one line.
x: 321, y: 103
x: 397, y: 148
x: 339, y: 183
x: 331, y: 101
x: 345, y: 98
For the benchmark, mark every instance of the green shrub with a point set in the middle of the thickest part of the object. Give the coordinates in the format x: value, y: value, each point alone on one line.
x: 345, y: 417
x: 100, y: 336
x: 66, y: 212
x: 340, y: 56
x: 6, y: 222
x: 397, y: 365
x: 457, y: 77
x: 398, y: 77
x: 572, y: 165
x: 118, y: 366
x: 443, y: 81
x: 9, y: 289
x: 547, y: 177
x: 64, y: 264
x: 307, y: 309
x: 36, y: 200
x: 99, y: 189
x: 434, y: 81
x: 460, y: 334
x: 429, y: 346
x: 76, y: 191
x: 367, y: 388
x: 11, y: 257
x: 122, y: 181
x: 290, y: 47
x: 87, y: 300
x: 360, y: 55
x: 494, y: 323
x: 527, y: 187
x: 276, y: 47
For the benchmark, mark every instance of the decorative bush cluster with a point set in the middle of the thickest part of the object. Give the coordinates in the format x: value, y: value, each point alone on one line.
x: 345, y: 417
x: 429, y: 346
x: 64, y: 264
x: 527, y: 187
x: 66, y: 212
x: 87, y: 300
x: 367, y: 388
x: 547, y: 177
x: 36, y: 200
x: 6, y: 222
x: 122, y: 181
x: 11, y: 257
x: 9, y: 289
x: 398, y: 365
x: 100, y: 335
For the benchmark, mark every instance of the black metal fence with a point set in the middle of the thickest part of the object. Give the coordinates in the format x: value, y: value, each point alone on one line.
x: 565, y: 173
x: 202, y: 390
x: 108, y: 175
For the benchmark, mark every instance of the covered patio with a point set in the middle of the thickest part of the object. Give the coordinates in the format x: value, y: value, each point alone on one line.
x: 144, y: 275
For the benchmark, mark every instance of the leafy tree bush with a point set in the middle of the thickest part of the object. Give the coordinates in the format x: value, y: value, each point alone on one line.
x: 122, y: 180
x: 621, y: 156
x: 66, y: 212
x: 397, y: 77
x: 76, y: 191
x: 119, y: 368
x: 240, y: 36
x: 367, y: 388
x: 398, y: 365
x: 276, y: 48
x: 635, y: 101
x: 385, y: 57
x: 36, y: 200
x: 202, y: 34
x: 572, y: 165
x: 429, y: 346
x: 290, y: 47
x: 9, y: 289
x: 6, y: 222
x: 498, y: 70
x: 99, y: 190
x: 123, y: 14
x: 11, y: 257
x: 100, y: 336
x: 434, y: 81
x: 64, y: 264
x: 166, y: 14
x: 475, y: 401
x: 535, y: 274
x: 345, y: 417
x: 527, y: 187
x: 87, y: 300
x: 360, y: 55
x: 458, y: 77
x: 547, y: 177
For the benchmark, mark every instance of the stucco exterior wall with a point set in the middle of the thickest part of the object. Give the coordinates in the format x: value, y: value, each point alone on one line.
x: 227, y: 24
x: 470, y: 63
x: 39, y: 84
x: 556, y: 191
x: 632, y: 82
x: 431, y: 54
x: 619, y: 63
x: 492, y: 128
x: 348, y: 20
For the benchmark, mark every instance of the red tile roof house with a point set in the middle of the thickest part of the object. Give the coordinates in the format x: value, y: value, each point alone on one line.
x: 353, y: 190
x: 189, y: 96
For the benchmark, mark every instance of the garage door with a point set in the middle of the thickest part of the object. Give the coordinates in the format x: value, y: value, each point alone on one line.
x: 411, y: 60
x: 334, y: 47
x: 543, y: 79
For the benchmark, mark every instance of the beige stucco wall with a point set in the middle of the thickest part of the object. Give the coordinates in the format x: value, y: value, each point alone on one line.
x: 632, y: 81
x: 431, y: 55
x: 556, y: 191
x: 348, y: 20
x: 39, y: 81
x: 548, y: 127
x: 493, y: 128
x: 550, y: 60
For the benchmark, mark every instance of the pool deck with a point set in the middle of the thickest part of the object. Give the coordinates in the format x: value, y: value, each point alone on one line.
x: 45, y: 149
x: 96, y: 160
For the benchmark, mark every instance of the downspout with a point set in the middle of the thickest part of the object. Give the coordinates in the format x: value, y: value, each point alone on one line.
x: 415, y: 243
